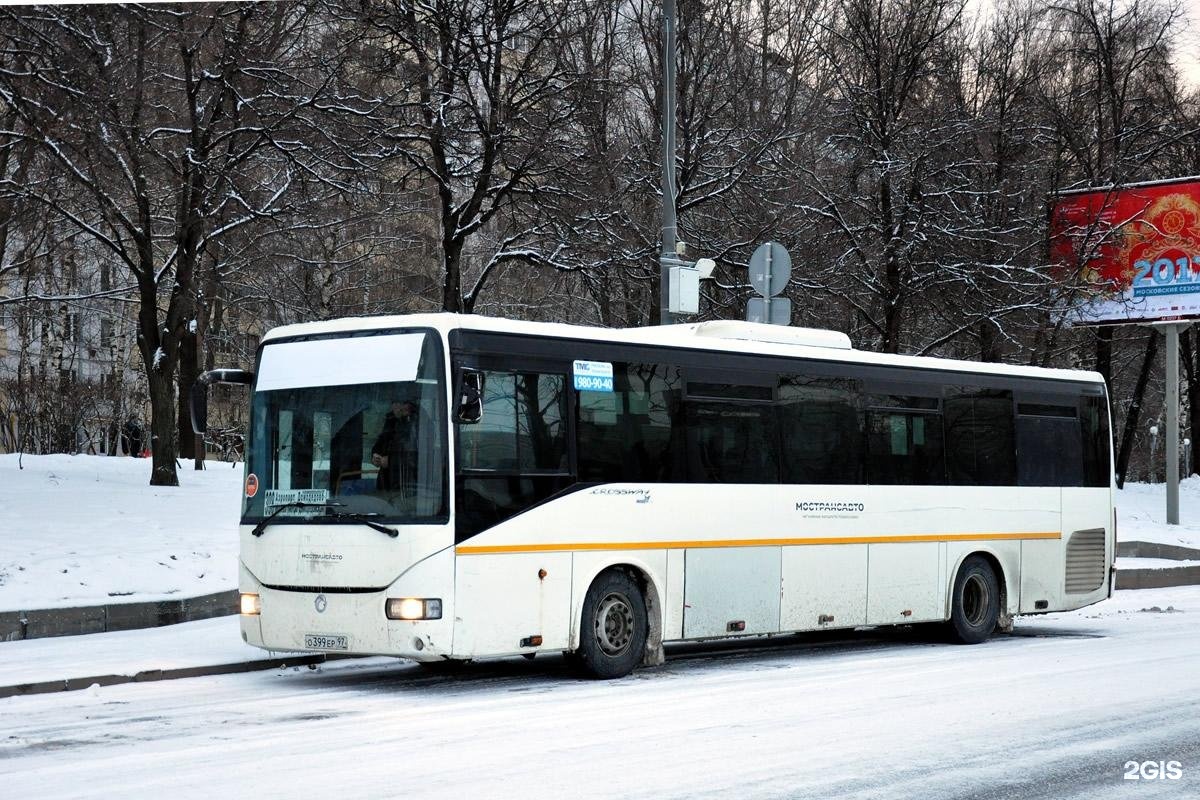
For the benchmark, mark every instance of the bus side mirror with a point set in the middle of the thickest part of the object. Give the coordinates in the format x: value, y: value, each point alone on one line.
x: 470, y: 401
x: 199, y: 396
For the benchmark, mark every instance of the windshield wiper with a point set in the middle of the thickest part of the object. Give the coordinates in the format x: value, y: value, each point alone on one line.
x: 365, y: 519
x: 262, y: 525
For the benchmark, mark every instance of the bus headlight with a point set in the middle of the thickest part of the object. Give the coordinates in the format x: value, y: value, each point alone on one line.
x: 251, y: 604
x: 414, y: 608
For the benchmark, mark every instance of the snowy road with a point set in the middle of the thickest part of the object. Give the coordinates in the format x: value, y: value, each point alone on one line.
x: 1053, y: 712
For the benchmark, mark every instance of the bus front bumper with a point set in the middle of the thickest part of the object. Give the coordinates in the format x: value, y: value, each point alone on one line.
x: 333, y: 621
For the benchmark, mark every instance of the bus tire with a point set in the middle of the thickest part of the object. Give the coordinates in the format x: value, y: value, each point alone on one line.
x: 614, y: 627
x: 975, y: 605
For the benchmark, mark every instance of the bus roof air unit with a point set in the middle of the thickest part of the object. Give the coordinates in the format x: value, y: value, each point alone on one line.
x: 778, y: 334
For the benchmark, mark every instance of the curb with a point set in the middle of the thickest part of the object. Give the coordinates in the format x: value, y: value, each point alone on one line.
x: 1142, y: 578
x: 1157, y: 578
x: 1171, y: 552
x: 45, y: 623
x: 152, y: 675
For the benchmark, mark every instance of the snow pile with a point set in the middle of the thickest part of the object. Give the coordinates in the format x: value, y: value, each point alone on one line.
x: 89, y: 530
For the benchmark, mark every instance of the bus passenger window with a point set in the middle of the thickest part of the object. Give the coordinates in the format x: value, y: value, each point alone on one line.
x: 515, y: 456
x: 980, y: 439
x: 731, y: 443
x: 1049, y: 445
x: 541, y: 432
x: 904, y: 447
x: 626, y: 434
x: 1093, y: 419
x: 820, y: 428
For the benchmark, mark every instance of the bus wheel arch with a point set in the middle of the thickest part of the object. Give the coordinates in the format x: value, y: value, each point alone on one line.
x: 615, y: 589
x: 653, y: 655
x: 978, y: 598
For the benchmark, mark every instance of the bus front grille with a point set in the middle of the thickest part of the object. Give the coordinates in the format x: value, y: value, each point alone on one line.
x: 1085, y: 561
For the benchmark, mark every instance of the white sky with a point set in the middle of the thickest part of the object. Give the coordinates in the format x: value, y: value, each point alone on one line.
x: 1187, y: 56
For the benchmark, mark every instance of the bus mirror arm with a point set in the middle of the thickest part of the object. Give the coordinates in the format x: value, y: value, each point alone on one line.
x: 199, y: 394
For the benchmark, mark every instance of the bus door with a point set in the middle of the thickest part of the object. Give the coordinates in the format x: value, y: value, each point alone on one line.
x: 515, y: 456
x: 732, y: 447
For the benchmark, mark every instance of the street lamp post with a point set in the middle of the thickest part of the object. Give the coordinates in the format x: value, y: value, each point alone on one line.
x: 1153, y: 451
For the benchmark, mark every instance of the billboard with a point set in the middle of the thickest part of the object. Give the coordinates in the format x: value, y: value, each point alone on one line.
x: 1133, y: 252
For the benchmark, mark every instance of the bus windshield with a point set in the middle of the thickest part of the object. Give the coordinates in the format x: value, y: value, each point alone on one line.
x: 352, y: 425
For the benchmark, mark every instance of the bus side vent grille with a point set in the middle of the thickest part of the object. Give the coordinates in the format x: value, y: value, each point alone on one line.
x: 1085, y: 561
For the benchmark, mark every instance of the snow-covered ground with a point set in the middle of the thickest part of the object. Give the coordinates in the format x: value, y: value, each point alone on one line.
x: 1056, y: 711
x: 87, y: 530
x: 1142, y: 514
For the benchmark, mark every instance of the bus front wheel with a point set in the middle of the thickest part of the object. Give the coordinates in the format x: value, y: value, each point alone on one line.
x: 975, y: 607
x: 614, y: 626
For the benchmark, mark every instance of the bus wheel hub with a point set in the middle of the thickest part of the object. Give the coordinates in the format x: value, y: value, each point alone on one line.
x: 614, y: 624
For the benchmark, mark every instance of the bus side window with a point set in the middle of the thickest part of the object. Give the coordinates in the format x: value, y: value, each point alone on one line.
x: 980, y: 439
x: 731, y: 428
x: 522, y: 428
x: 515, y: 456
x: 1093, y: 419
x: 1049, y: 445
x: 821, y: 430
x: 628, y: 434
x: 904, y: 442
x: 599, y: 431
x: 731, y: 443
x: 541, y: 422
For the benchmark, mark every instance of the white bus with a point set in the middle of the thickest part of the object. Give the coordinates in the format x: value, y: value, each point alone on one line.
x: 444, y: 488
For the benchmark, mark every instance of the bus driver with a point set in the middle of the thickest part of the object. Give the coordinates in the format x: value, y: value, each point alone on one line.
x: 395, y: 450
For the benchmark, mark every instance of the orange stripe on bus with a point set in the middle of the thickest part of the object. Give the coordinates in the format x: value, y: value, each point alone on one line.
x: 468, y: 550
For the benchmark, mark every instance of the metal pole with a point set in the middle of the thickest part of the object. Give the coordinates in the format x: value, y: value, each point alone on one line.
x: 1173, y: 424
x: 665, y: 317
x: 767, y: 293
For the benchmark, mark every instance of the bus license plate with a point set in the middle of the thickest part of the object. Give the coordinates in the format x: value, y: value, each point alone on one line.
x: 325, y: 641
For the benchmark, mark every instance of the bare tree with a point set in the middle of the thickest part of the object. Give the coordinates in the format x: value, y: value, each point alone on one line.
x: 893, y: 162
x: 174, y: 126
x: 474, y: 92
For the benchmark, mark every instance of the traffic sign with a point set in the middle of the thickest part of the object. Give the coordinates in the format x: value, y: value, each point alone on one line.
x: 780, y: 311
x: 770, y: 269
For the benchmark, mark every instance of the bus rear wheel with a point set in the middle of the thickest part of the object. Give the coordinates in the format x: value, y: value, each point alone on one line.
x: 614, y: 626
x: 975, y: 606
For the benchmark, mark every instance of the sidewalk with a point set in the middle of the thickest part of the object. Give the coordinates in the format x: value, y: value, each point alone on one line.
x: 191, y: 649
